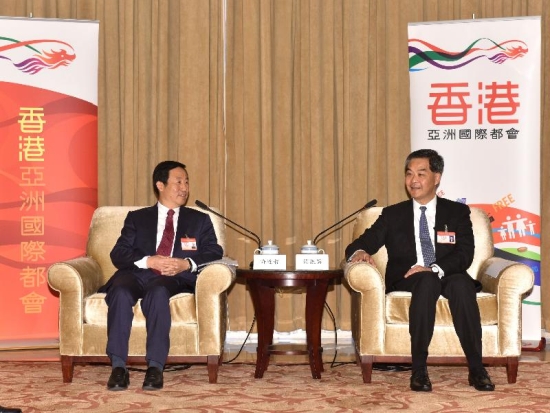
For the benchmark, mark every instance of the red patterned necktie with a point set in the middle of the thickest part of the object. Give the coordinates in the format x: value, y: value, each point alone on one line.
x: 165, y: 246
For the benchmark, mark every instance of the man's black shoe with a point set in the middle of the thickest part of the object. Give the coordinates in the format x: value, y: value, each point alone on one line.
x: 153, y: 379
x: 119, y: 379
x: 479, y: 378
x: 420, y: 381
x: 9, y: 410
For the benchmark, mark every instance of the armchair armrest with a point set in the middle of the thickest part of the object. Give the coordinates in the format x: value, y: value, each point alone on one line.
x: 368, y: 306
x: 499, y: 275
x: 211, y: 301
x: 510, y: 281
x: 74, y: 280
x: 83, y: 274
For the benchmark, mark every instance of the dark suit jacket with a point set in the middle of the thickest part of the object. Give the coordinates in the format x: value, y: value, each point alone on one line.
x: 395, y: 229
x: 139, y: 236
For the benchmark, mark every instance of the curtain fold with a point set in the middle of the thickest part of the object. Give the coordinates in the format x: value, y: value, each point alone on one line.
x: 289, y: 114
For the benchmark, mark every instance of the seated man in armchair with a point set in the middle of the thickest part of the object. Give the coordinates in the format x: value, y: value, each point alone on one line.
x: 157, y: 255
x: 409, y: 230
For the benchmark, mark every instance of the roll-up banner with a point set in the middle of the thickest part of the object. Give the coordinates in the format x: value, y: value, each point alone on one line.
x: 48, y: 165
x: 475, y: 98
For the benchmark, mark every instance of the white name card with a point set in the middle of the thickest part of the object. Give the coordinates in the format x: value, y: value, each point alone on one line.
x: 312, y: 262
x: 269, y: 262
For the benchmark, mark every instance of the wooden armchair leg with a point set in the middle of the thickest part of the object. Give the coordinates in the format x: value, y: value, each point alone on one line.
x: 212, y: 364
x: 366, y: 368
x: 512, y: 369
x: 67, y: 367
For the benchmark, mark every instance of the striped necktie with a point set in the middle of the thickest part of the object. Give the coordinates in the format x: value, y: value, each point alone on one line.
x: 425, y: 242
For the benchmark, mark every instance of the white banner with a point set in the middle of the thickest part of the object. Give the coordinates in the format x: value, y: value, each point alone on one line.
x: 475, y: 98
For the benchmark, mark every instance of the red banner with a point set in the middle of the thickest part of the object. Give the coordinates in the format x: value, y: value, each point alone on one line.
x: 48, y: 165
x: 48, y: 176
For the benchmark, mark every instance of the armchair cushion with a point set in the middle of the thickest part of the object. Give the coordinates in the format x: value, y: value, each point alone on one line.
x: 182, y: 310
x: 398, y: 303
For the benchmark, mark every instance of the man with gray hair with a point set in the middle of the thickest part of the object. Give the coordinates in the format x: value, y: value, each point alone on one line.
x: 430, y: 245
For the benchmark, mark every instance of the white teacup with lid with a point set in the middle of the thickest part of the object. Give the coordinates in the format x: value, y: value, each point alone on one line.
x: 268, y: 249
x: 311, y: 248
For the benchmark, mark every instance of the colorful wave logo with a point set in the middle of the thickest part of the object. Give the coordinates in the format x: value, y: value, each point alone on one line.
x: 31, y: 56
x: 427, y: 54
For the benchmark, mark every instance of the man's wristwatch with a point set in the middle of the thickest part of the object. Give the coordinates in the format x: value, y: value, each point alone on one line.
x: 434, y: 268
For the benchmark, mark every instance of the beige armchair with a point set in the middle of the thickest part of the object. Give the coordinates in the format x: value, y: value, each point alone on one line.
x: 198, y: 320
x: 380, y: 322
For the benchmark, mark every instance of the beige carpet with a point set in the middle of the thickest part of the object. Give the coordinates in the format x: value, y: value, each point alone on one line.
x: 37, y: 387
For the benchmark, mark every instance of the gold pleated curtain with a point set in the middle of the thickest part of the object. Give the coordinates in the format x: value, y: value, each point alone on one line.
x: 290, y: 114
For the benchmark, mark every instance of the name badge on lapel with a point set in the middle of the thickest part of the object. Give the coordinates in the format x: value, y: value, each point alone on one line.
x: 445, y: 237
x: 189, y: 244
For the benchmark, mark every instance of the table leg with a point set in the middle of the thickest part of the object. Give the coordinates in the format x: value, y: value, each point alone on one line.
x: 263, y: 298
x: 315, y: 300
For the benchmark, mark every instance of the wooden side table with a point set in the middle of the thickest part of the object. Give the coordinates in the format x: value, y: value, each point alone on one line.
x: 262, y: 284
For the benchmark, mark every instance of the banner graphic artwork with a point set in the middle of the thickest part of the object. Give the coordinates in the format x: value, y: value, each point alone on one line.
x: 475, y: 98
x: 48, y: 164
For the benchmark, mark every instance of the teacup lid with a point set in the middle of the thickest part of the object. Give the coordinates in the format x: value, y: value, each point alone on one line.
x: 309, y: 246
x: 270, y: 246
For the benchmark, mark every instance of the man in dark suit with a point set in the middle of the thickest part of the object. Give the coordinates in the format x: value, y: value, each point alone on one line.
x: 157, y: 256
x: 409, y: 230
